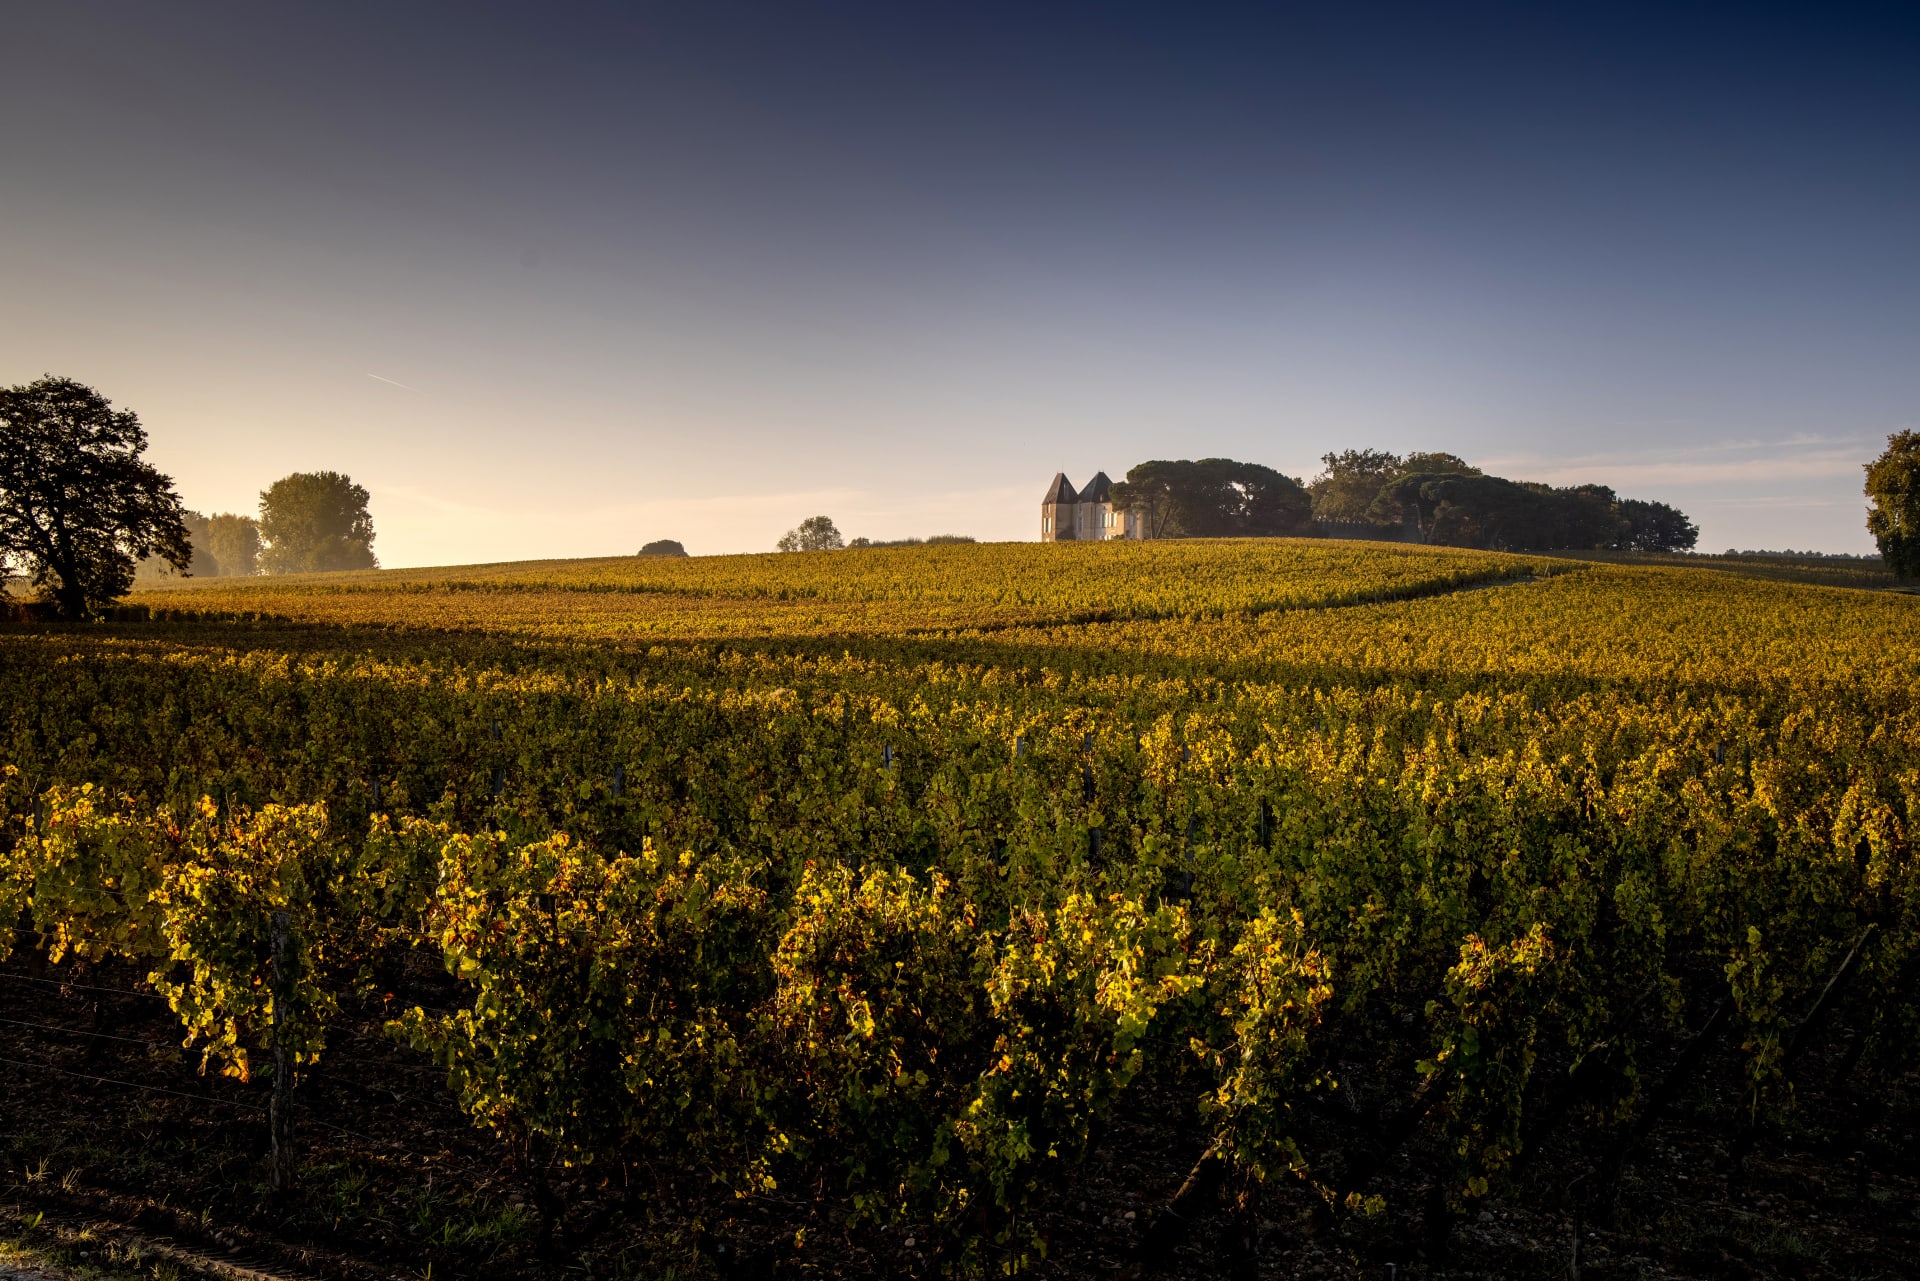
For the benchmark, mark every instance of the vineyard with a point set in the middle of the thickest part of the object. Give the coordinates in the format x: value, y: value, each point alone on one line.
x: 863, y: 913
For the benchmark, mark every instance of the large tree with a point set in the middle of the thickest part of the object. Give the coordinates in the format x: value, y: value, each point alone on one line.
x: 1893, y: 483
x: 1153, y: 491
x: 315, y: 521
x: 1214, y: 498
x: 78, y: 503
x: 235, y: 544
x: 814, y: 534
x: 1655, y: 527
x: 1345, y: 490
x: 1353, y: 478
x: 1468, y: 511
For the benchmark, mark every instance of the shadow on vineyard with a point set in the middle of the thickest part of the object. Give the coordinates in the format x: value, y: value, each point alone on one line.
x: 1564, y: 928
x: 394, y: 1181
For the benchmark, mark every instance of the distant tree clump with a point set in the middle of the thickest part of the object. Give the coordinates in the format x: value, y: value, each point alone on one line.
x: 1655, y: 527
x: 934, y: 540
x: 312, y: 522
x: 663, y: 547
x: 1457, y: 510
x: 814, y: 534
x: 234, y: 542
x: 1214, y: 498
x: 78, y: 504
x: 224, y: 546
x: 1893, y: 483
x: 1440, y: 496
x: 1347, y: 490
x: 201, y: 564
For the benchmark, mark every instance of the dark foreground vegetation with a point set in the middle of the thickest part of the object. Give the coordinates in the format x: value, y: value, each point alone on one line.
x: 396, y: 1182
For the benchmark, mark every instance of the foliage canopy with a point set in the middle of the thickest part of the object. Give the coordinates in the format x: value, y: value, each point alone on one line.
x: 1455, y: 504
x: 1353, y: 479
x: 814, y: 534
x: 1214, y: 498
x: 78, y: 503
x: 1456, y: 510
x: 1893, y: 483
x: 234, y: 542
x: 313, y: 522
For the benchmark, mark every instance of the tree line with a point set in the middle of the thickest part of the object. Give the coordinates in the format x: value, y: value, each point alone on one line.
x: 1437, y: 498
x: 820, y: 534
x: 1442, y: 499
x: 82, y: 512
x: 309, y: 522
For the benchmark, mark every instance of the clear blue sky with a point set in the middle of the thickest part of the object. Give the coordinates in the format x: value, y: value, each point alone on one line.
x: 556, y: 280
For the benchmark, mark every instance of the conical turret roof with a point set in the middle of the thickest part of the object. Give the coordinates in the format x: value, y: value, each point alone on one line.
x: 1098, y: 490
x: 1061, y: 490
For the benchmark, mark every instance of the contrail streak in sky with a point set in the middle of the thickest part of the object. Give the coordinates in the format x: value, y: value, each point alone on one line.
x: 377, y: 378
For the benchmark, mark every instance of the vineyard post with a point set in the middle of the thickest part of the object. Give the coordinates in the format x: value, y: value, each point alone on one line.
x: 1574, y: 1193
x: 280, y: 1111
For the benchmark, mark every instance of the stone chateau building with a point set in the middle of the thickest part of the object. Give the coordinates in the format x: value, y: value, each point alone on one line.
x: 1088, y: 515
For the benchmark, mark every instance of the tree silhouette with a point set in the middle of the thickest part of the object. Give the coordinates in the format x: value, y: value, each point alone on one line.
x: 78, y: 504
x: 814, y: 534
x: 1214, y: 498
x: 315, y: 521
x: 235, y: 544
x: 1893, y: 483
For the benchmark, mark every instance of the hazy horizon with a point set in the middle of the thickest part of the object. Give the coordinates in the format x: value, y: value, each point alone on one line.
x: 557, y: 283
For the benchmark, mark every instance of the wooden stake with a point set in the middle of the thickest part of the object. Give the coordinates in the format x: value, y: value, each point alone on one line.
x: 280, y: 1111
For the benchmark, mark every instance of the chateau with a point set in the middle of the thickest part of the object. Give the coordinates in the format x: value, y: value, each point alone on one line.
x: 1086, y: 516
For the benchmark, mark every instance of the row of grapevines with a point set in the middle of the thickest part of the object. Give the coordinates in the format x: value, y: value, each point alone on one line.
x: 943, y: 962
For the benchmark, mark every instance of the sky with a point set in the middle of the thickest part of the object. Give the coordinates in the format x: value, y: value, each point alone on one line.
x: 556, y: 280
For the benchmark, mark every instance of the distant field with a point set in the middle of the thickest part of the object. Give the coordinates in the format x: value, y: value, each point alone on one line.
x: 967, y: 894
x: 1242, y: 606
x: 869, y: 590
x: 1829, y: 571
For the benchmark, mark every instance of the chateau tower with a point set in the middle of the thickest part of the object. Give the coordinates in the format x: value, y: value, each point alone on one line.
x: 1085, y: 516
x: 1057, y: 510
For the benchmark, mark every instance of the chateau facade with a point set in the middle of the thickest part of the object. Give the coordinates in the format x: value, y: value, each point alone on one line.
x: 1087, y: 515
